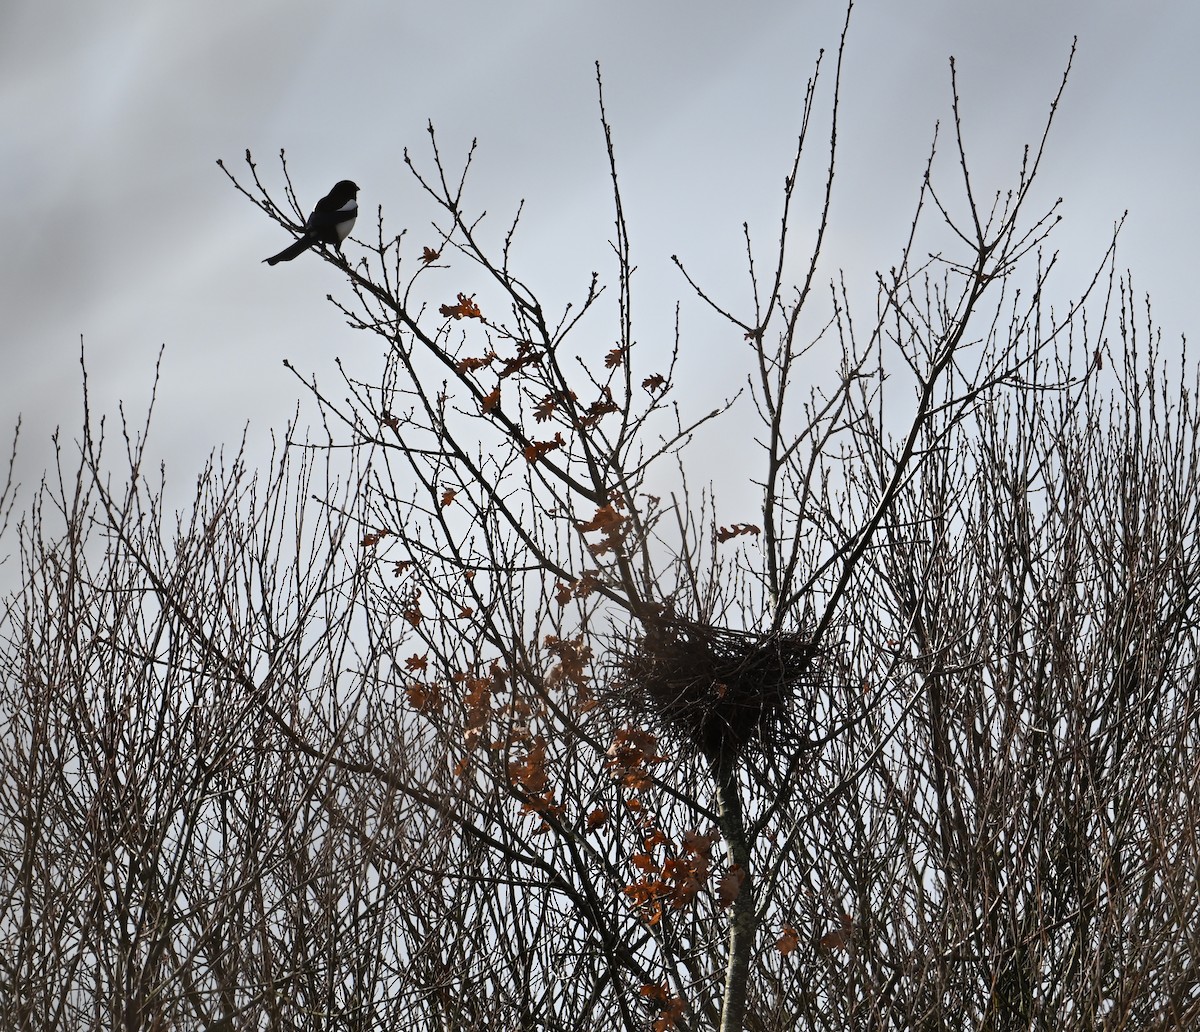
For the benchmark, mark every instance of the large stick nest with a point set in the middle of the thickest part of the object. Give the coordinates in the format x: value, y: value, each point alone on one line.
x: 721, y: 690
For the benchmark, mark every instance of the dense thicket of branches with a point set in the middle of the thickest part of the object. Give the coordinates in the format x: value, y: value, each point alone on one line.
x: 485, y: 723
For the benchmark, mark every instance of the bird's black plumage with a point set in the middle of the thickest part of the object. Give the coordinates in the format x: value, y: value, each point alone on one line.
x: 330, y: 222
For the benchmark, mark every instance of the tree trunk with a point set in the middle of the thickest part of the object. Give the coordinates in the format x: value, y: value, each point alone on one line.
x: 742, y: 921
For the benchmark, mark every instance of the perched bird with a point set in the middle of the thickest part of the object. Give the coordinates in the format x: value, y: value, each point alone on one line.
x: 330, y: 222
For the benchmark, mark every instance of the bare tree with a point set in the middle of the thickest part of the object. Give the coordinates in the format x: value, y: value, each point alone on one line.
x: 469, y: 713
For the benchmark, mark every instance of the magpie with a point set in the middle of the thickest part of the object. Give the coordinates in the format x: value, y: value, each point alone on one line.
x: 330, y: 222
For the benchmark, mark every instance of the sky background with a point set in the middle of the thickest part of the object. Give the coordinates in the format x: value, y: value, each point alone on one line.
x: 121, y: 230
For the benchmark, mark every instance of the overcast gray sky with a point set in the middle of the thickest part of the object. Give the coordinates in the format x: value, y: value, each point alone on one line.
x: 120, y: 228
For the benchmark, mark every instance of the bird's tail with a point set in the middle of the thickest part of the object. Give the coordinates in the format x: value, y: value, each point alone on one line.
x: 290, y: 252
